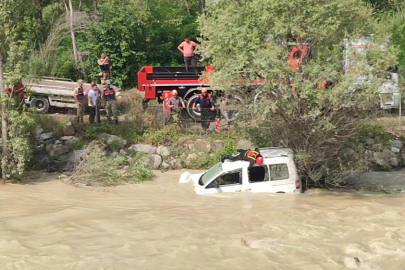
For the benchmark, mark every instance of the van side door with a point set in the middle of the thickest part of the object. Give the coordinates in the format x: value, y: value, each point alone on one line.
x: 258, y: 179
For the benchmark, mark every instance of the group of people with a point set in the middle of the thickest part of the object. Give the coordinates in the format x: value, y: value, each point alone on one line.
x: 206, y: 104
x: 93, y: 98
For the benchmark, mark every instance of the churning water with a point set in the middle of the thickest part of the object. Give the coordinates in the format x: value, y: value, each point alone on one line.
x: 163, y: 225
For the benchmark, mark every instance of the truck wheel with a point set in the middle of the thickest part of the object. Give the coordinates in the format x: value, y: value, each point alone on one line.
x: 233, y: 109
x: 194, y: 114
x: 40, y: 104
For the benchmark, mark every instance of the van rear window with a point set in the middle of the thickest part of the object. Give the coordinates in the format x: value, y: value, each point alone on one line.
x: 278, y: 172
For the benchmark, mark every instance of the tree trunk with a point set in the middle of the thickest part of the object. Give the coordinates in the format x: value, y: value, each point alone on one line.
x: 202, y: 6
x: 95, y: 5
x: 3, y: 115
x: 69, y: 13
x: 187, y: 7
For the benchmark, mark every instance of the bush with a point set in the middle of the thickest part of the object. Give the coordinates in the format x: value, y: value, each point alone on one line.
x: 21, y: 129
x: 375, y: 132
x: 97, y: 169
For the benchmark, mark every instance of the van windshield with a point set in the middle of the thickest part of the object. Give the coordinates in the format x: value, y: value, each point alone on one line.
x: 211, y: 174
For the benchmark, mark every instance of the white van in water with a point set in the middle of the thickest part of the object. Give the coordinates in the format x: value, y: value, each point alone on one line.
x: 278, y: 174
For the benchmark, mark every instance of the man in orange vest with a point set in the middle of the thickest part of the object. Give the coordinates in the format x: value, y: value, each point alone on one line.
x: 109, y: 97
x: 251, y: 155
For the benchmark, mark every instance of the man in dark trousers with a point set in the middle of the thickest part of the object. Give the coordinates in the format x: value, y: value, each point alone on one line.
x: 206, y: 104
x: 251, y: 155
x: 188, y: 49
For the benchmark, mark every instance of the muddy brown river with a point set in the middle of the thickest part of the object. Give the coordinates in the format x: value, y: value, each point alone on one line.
x: 163, y: 225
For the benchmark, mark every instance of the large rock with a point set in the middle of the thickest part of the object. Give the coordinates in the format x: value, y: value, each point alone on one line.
x: 112, y: 141
x: 165, y: 166
x: 154, y: 161
x: 163, y: 151
x: 383, y: 158
x: 217, y: 146
x: 69, y: 161
x: 116, y: 142
x: 144, y: 148
x: 191, y: 159
x: 244, y: 144
x: 45, y: 137
x: 397, y: 144
x: 394, y: 162
x: 56, y: 151
x: 370, y: 141
x: 40, y: 162
x: 68, y: 129
x: 202, y: 146
x: 38, y: 132
x: 69, y: 140
x: 395, y: 150
x: 175, y: 164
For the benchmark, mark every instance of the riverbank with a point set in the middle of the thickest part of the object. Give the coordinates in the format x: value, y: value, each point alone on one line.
x: 389, y: 182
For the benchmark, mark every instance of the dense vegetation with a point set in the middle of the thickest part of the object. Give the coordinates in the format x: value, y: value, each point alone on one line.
x: 65, y: 38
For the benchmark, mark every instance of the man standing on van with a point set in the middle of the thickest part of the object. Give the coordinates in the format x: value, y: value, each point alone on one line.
x: 188, y: 49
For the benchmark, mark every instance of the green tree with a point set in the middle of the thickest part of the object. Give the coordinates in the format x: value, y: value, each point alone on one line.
x: 318, y: 124
x: 18, y: 24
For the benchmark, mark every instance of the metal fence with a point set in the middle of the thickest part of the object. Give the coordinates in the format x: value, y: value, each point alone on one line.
x: 219, y: 119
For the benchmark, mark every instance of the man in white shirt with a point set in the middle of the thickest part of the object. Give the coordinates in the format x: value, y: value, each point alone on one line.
x: 92, y: 102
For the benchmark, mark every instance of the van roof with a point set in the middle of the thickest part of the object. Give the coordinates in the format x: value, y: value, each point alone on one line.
x: 272, y: 152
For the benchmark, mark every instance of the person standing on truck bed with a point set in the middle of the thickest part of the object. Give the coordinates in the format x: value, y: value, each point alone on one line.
x: 109, y: 98
x: 188, y: 49
x: 79, y: 99
x: 206, y: 104
x: 104, y: 63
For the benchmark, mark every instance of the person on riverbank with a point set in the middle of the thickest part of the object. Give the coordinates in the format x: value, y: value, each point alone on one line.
x: 92, y: 103
x: 206, y: 105
x: 79, y: 99
x: 176, y: 101
x: 109, y: 98
x: 188, y: 49
x: 175, y: 104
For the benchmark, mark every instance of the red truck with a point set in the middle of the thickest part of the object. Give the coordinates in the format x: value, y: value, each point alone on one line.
x: 157, y: 82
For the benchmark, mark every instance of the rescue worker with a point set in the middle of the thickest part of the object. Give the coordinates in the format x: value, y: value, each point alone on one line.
x: 206, y: 104
x: 251, y: 155
x: 176, y: 101
x: 104, y: 63
x: 80, y: 100
x: 109, y: 97
x: 175, y: 104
